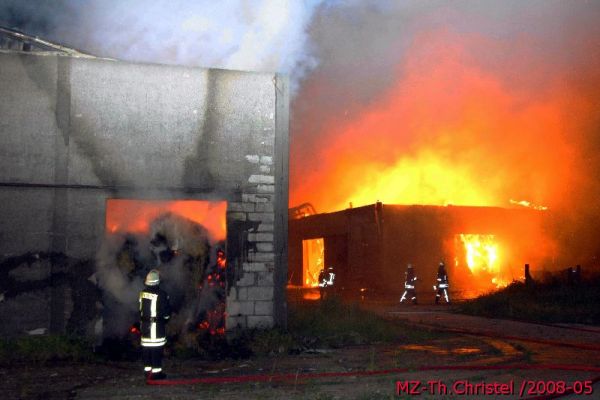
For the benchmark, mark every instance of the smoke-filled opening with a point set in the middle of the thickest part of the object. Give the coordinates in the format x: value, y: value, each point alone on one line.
x: 185, y: 241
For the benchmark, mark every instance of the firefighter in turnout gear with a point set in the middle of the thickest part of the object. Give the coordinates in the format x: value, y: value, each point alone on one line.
x: 442, y: 286
x: 154, y: 315
x: 326, y: 280
x: 409, y: 286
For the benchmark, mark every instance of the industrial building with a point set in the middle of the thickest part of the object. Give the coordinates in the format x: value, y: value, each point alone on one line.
x: 80, y: 134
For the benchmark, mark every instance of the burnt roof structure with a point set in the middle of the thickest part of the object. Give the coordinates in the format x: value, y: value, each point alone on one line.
x: 13, y: 40
x: 370, y: 246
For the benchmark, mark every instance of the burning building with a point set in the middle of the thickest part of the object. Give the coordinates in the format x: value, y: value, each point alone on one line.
x: 370, y: 247
x: 137, y: 166
x: 460, y: 105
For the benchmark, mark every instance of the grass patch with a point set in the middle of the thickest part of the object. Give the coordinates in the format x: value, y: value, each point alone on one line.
x: 547, y: 302
x: 41, y: 349
x: 331, y: 323
x: 271, y: 342
x: 326, y: 324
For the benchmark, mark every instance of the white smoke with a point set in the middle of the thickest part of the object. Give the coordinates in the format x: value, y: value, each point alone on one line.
x: 119, y: 288
x: 257, y: 35
x: 179, y: 249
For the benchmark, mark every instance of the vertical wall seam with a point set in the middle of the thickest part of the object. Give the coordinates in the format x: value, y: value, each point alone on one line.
x: 281, y: 199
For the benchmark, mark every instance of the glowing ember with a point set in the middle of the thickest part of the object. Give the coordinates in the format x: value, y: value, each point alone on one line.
x: 528, y: 204
x: 500, y: 282
x: 312, y: 261
x: 135, y: 216
x: 314, y: 295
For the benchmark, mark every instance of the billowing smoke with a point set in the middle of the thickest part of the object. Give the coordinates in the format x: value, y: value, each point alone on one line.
x: 261, y: 35
x: 180, y: 249
x: 431, y: 102
x: 120, y: 284
x: 464, y: 102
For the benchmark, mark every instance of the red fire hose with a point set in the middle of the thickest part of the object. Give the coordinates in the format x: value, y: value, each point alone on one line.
x: 317, y: 375
x: 572, y: 328
x: 522, y: 339
x: 304, y: 376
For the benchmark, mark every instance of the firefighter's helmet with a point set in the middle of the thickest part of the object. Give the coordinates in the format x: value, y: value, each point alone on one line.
x: 153, y: 278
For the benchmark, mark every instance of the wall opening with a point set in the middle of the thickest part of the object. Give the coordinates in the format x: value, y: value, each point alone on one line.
x: 313, y: 257
x: 186, y: 241
x: 481, y: 264
x: 135, y: 216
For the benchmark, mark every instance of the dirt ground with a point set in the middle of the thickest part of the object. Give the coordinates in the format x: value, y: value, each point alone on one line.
x: 124, y: 380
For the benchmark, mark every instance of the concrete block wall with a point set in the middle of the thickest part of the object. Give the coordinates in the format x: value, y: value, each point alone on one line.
x: 250, y: 303
x: 75, y: 132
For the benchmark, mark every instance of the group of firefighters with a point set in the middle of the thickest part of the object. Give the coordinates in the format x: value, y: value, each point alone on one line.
x: 327, y: 279
x: 441, y: 287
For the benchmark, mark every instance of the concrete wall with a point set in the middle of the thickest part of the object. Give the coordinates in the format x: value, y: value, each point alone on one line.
x: 75, y: 132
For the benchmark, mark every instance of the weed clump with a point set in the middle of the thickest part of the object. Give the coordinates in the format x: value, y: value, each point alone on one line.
x: 550, y: 301
x: 46, y: 348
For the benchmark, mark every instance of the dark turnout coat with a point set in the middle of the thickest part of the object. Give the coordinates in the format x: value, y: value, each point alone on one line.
x: 154, y: 315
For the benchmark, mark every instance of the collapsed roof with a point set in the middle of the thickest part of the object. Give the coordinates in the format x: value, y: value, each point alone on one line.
x: 13, y: 40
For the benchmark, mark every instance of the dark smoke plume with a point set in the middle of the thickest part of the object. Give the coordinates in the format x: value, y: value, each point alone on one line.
x: 503, y: 91
x: 381, y: 84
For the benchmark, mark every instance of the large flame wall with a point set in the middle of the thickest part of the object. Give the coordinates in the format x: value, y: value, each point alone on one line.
x: 462, y: 108
x: 450, y: 131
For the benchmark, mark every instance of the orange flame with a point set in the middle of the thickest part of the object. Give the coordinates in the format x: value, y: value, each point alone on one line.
x: 450, y: 130
x: 313, y: 261
x: 135, y: 216
x: 456, y: 125
x: 482, y: 254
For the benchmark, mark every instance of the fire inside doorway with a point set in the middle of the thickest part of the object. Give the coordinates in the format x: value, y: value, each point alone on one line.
x: 185, y: 241
x: 313, y: 253
x: 484, y: 261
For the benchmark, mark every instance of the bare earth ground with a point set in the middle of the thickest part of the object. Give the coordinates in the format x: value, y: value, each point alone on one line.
x: 124, y: 380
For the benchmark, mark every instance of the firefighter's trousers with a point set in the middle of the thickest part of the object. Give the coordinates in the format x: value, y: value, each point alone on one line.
x: 442, y: 294
x: 409, y: 294
x: 152, y: 358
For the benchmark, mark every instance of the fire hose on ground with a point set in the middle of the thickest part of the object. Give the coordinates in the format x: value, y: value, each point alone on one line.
x: 306, y: 376
x: 295, y: 377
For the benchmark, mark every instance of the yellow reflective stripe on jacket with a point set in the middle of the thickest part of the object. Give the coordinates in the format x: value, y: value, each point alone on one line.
x: 153, y: 340
x: 153, y: 297
x: 154, y: 344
